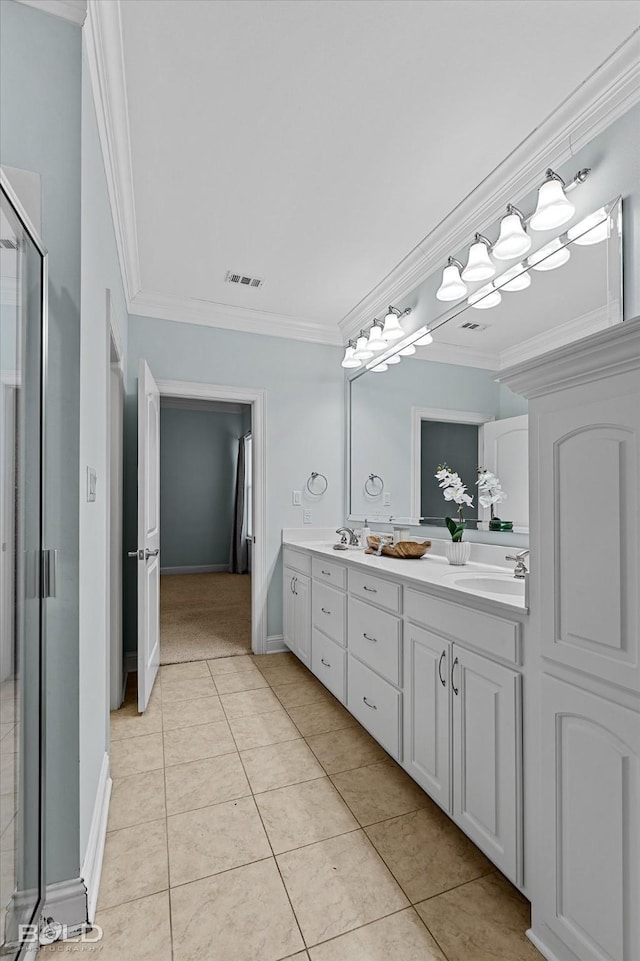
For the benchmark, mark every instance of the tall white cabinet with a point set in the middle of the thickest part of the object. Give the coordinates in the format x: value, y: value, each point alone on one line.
x: 584, y: 420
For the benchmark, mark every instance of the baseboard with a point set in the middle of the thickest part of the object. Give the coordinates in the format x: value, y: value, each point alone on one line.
x: 92, y: 864
x: 197, y: 569
x: 545, y: 950
x: 276, y: 644
x: 66, y: 906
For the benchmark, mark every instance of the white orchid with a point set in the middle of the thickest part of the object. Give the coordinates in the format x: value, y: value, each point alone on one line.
x: 454, y: 490
x: 491, y: 491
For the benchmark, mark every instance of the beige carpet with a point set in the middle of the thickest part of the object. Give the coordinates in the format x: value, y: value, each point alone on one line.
x: 204, y: 616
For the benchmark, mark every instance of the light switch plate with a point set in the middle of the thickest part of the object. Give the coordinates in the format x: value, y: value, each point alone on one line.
x: 306, y: 517
x: 296, y: 498
x: 92, y: 481
x: 386, y: 499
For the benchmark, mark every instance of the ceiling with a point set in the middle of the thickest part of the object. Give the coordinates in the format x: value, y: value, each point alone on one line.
x: 313, y: 145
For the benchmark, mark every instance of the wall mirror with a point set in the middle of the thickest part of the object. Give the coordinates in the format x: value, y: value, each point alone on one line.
x: 443, y: 403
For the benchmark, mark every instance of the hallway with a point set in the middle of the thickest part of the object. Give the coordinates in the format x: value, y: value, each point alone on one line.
x: 204, y: 616
x: 252, y: 818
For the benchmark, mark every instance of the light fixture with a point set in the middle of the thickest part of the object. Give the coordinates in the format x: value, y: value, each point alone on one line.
x: 362, y: 351
x: 349, y: 360
x: 592, y: 230
x: 392, y: 327
x: 379, y: 369
x: 452, y: 286
x: 479, y: 266
x: 515, y: 278
x: 513, y: 240
x: 394, y: 359
x: 485, y: 297
x: 550, y: 256
x: 554, y: 207
x: 376, y: 341
x: 425, y: 340
x: 407, y: 351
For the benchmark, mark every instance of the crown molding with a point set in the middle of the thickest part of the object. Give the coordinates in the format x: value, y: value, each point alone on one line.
x: 105, y: 58
x: 189, y: 310
x: 610, y: 91
x: 573, y: 330
x: 74, y: 11
x: 459, y: 355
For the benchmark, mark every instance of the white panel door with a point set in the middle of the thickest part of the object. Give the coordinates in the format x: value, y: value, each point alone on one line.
x: 302, y: 589
x: 289, y: 608
x: 590, y: 892
x: 148, y: 533
x: 487, y: 760
x: 427, y: 712
x: 506, y: 453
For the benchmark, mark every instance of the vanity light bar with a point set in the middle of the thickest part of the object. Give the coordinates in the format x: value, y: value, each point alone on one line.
x: 399, y: 346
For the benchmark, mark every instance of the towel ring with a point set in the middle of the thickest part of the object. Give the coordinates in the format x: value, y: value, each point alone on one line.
x: 314, y: 475
x: 371, y: 481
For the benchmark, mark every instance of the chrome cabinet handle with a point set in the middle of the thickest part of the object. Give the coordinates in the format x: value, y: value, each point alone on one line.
x: 324, y: 610
x: 372, y: 706
x: 366, y: 636
x: 442, y: 657
x: 326, y: 663
x: 372, y: 590
x: 453, y: 667
x: 291, y: 585
x: 327, y: 573
x: 295, y: 581
x: 148, y: 553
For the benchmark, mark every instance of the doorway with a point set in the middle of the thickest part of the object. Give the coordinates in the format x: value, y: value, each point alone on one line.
x: 206, y: 534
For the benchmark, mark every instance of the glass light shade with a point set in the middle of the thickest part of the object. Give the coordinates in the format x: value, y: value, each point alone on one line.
x: 362, y: 350
x: 596, y: 225
x: 479, y: 266
x: 376, y: 341
x: 553, y: 208
x: 393, y: 360
x: 425, y: 340
x: 485, y: 298
x: 392, y: 328
x: 515, y: 278
x: 513, y: 240
x: 349, y: 360
x: 407, y: 351
x: 380, y: 369
x: 550, y: 256
x: 452, y: 286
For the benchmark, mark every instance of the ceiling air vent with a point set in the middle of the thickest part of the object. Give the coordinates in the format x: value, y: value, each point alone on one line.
x: 242, y: 279
x: 8, y: 244
x: 470, y: 325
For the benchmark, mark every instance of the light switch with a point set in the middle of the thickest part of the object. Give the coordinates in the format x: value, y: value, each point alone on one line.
x: 92, y: 480
x: 386, y: 499
x: 306, y: 517
x: 296, y: 498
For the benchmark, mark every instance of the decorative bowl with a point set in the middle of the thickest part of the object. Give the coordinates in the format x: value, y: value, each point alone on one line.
x: 406, y: 550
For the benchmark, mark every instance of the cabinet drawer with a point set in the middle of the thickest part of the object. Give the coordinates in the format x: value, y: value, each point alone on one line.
x: 333, y: 574
x: 329, y: 609
x: 484, y: 632
x: 375, y: 589
x: 328, y: 662
x: 298, y: 560
x: 375, y: 637
x: 376, y: 704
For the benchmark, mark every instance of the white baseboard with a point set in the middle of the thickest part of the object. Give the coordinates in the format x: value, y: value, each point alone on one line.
x: 92, y: 864
x: 197, y: 569
x: 276, y: 644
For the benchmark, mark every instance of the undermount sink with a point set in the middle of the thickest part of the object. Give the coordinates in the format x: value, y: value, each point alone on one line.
x: 495, y: 584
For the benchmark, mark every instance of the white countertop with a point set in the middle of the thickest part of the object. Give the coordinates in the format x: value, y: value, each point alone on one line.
x: 431, y: 571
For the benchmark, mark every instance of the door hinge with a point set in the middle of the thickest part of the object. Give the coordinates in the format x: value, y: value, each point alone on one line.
x: 48, y: 571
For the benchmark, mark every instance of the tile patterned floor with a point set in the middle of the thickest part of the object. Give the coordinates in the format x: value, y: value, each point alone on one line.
x: 252, y: 819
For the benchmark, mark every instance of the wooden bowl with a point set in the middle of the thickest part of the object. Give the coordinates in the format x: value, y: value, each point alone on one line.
x: 407, y: 550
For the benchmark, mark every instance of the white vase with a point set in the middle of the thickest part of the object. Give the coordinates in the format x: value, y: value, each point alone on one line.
x: 457, y: 552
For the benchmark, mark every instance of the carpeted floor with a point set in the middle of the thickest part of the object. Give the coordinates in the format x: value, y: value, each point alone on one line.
x: 204, y: 616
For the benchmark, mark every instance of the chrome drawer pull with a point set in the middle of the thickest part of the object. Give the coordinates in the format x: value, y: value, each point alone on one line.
x: 324, y: 610
x: 326, y: 573
x: 453, y: 667
x: 372, y: 706
x: 372, y: 590
x: 442, y: 657
x: 374, y: 639
x: 326, y: 663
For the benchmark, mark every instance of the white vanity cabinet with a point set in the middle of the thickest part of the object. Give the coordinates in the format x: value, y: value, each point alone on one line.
x: 329, y: 625
x: 297, y: 604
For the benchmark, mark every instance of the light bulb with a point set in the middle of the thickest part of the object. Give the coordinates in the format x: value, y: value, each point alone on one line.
x: 380, y: 369
x: 407, y: 351
x: 452, y: 286
x: 362, y: 350
x: 485, y: 298
x: 392, y: 328
x: 513, y: 240
x: 515, y: 278
x: 592, y: 230
x: 553, y: 208
x: 349, y: 360
x: 550, y: 256
x: 375, y: 341
x: 393, y: 360
x: 479, y: 266
x: 425, y: 340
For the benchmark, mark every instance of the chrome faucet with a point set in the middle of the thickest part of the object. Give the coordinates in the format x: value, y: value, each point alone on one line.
x: 521, y: 570
x: 351, y: 539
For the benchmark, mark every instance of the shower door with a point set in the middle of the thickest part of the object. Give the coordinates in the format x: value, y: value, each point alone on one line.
x: 26, y: 577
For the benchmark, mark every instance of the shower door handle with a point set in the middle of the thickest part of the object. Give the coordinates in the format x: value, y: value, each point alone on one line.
x: 49, y: 572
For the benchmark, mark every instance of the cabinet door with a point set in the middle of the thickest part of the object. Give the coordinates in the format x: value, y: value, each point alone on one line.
x: 289, y: 608
x: 590, y: 818
x: 302, y: 589
x: 427, y: 713
x: 487, y: 757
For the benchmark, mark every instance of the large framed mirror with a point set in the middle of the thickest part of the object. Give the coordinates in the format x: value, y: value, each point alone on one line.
x: 443, y: 403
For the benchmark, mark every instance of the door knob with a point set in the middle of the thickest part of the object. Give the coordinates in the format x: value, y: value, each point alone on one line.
x: 133, y: 554
x: 148, y: 553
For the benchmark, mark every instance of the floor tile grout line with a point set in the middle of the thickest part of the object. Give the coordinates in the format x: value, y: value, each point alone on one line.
x: 166, y: 828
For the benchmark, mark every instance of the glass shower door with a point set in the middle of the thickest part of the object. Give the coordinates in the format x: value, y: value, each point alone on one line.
x: 23, y: 576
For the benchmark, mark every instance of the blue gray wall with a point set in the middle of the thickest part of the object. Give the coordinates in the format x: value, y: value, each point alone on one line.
x: 198, y: 461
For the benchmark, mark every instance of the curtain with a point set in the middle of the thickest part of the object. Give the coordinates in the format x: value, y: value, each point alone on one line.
x: 238, y: 563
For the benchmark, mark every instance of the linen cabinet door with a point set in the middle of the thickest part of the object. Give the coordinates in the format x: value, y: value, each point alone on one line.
x: 487, y: 757
x: 289, y: 608
x: 427, y: 713
x: 302, y: 588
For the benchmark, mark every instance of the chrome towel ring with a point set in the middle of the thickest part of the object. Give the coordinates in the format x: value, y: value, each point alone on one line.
x: 371, y: 483
x: 314, y: 476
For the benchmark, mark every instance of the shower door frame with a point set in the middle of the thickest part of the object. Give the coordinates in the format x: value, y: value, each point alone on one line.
x: 30, y: 948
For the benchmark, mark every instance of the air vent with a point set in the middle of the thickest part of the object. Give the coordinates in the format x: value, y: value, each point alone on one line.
x: 242, y: 279
x: 470, y: 325
x: 8, y: 244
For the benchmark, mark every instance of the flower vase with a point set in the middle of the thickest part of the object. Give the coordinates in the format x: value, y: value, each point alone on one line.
x: 457, y: 552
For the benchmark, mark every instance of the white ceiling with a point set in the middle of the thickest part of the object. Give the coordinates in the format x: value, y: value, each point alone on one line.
x: 314, y: 144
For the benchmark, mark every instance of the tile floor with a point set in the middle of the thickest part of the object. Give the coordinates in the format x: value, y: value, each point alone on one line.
x: 252, y: 819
